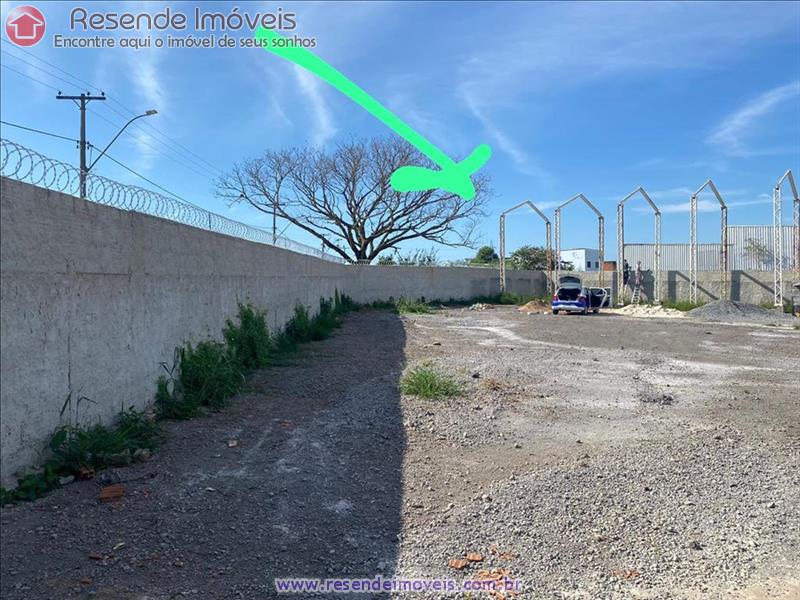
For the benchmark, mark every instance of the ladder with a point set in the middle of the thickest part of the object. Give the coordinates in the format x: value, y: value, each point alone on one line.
x: 636, y: 295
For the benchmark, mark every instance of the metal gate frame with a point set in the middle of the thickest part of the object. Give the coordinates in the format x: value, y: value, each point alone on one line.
x: 549, y: 246
x: 723, y: 243
x: 600, y: 235
x: 777, y: 236
x: 621, y: 245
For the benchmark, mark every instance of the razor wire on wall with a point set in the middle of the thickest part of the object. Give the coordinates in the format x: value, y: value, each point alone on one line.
x: 23, y: 164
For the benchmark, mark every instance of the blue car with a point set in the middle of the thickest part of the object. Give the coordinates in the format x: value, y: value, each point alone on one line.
x: 571, y: 299
x: 571, y: 296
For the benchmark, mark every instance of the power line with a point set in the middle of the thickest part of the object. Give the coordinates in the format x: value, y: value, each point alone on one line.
x: 177, y: 152
x: 205, y: 164
x: 151, y: 182
x: 184, y: 165
x: 31, y: 54
x: 109, y: 121
x: 149, y: 145
x: 55, y: 135
x: 30, y: 64
x: 163, y: 189
x: 29, y: 77
x: 90, y: 147
x: 142, y: 140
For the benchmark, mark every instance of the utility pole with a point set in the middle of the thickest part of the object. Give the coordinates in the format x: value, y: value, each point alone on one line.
x: 82, y: 101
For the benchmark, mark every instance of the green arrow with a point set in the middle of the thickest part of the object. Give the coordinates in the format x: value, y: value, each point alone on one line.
x: 453, y: 176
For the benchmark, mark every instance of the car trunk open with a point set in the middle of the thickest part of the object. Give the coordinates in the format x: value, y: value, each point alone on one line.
x: 569, y: 294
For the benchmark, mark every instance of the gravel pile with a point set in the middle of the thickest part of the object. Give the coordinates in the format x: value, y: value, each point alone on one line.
x: 650, y: 310
x: 730, y: 311
x: 535, y: 307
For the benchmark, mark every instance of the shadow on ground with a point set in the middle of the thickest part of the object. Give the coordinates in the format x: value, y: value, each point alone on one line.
x: 302, y: 477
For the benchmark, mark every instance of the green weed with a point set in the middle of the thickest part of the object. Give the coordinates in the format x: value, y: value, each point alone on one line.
x: 209, y: 374
x: 389, y: 304
x: 75, y: 448
x: 513, y: 298
x: 97, y: 446
x: 323, y: 324
x: 426, y: 381
x: 342, y: 304
x: 140, y: 429
x: 249, y: 341
x: 298, y: 328
x: 787, y: 305
x: 404, y: 307
x: 31, y: 486
x: 682, y: 305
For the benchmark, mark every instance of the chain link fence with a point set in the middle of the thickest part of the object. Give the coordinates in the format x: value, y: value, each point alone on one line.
x: 23, y: 164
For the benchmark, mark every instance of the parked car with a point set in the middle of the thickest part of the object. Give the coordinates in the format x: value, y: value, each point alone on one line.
x: 572, y: 296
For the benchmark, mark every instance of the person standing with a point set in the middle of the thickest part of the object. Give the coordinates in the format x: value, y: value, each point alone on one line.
x: 626, y: 273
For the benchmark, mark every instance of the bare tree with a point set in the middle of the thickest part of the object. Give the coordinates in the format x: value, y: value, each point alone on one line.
x: 759, y: 251
x: 344, y: 199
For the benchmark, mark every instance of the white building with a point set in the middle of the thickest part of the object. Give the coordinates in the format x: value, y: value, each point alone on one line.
x: 582, y: 259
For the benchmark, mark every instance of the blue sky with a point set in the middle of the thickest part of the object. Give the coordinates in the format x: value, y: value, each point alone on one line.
x: 588, y: 98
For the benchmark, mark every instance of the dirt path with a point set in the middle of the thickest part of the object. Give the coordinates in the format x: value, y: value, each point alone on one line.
x: 312, y: 489
x: 591, y: 457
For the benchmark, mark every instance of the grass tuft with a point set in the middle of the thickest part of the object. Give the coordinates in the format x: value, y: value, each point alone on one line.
x: 787, y: 306
x: 206, y: 375
x: 209, y: 374
x: 249, y: 340
x: 76, y: 448
x: 513, y: 298
x: 426, y: 381
x: 326, y: 320
x: 298, y: 328
x: 405, y: 307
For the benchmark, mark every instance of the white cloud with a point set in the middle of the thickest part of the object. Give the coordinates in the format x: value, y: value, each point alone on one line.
x: 525, y: 162
x: 408, y: 101
x: 663, y: 163
x: 670, y: 193
x: 310, y: 85
x: 708, y: 205
x: 572, y: 43
x: 683, y: 207
x: 144, y: 70
x: 568, y: 45
x: 732, y: 132
x: 678, y: 198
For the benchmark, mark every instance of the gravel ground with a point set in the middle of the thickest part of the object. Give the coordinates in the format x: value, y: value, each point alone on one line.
x: 590, y: 457
x: 730, y: 311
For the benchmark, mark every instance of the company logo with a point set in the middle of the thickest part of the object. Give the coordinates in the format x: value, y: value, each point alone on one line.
x: 25, y: 25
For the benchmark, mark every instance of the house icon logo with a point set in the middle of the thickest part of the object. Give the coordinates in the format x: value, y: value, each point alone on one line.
x: 25, y: 25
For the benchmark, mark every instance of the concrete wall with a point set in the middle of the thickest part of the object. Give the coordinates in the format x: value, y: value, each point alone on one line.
x: 94, y: 298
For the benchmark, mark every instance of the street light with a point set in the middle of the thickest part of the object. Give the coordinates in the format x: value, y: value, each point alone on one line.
x: 84, y: 172
x: 148, y: 113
